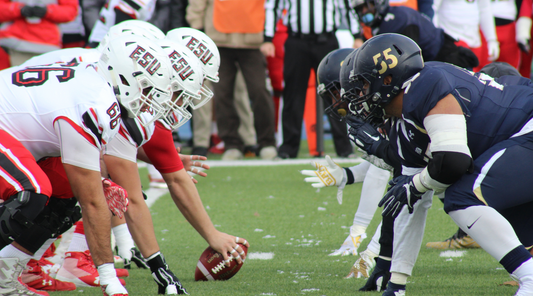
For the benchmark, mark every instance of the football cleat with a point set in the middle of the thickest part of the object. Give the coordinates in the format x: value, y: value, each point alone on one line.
x: 78, y: 268
x: 10, y: 279
x: 137, y: 258
x: 167, y: 282
x: 114, y: 289
x: 394, y: 290
x: 525, y: 285
x: 460, y: 240
x: 362, y: 266
x: 35, y: 277
x: 379, y: 278
x: 349, y: 246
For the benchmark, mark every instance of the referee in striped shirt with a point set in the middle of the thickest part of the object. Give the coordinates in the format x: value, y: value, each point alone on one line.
x: 312, y: 25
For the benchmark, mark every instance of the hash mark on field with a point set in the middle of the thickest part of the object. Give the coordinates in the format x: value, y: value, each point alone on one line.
x: 260, y: 255
x: 449, y: 254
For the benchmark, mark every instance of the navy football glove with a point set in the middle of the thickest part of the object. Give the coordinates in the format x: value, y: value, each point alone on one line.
x: 401, y: 192
x: 364, y: 135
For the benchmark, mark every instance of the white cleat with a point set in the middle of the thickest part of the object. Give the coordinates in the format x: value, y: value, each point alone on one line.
x: 525, y: 286
x: 362, y: 268
x: 349, y: 246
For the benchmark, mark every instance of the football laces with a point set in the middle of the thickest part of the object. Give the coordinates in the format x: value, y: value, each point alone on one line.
x: 218, y: 268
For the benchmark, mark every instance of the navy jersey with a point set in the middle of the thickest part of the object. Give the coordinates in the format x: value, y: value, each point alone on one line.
x: 399, y: 18
x: 493, y: 112
x: 410, y: 143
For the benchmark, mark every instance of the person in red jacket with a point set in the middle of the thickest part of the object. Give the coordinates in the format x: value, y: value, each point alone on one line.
x: 32, y: 29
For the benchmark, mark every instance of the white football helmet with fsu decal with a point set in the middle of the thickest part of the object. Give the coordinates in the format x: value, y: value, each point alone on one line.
x: 140, y: 73
x: 186, y: 82
x: 205, y: 50
x: 134, y: 27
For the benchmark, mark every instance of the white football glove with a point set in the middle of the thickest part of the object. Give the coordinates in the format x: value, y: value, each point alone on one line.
x: 326, y: 175
x: 523, y: 32
x: 494, y: 49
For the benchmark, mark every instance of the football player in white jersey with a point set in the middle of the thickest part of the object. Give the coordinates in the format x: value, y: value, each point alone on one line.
x: 70, y: 110
x: 158, y: 148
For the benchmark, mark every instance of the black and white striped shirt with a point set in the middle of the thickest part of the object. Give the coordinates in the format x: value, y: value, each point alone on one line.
x: 310, y: 16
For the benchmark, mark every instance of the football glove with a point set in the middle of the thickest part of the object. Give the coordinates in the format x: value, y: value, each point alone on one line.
x: 116, y: 197
x: 402, y: 191
x: 364, y: 135
x: 327, y: 174
x: 494, y: 49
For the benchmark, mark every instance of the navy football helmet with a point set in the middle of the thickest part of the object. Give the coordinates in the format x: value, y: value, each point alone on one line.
x: 384, y: 66
x: 329, y: 88
x: 367, y: 16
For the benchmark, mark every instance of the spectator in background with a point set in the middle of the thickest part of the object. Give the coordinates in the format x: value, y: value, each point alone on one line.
x: 31, y: 28
x: 236, y: 29
x: 505, y: 15
x: 462, y: 20
x: 170, y: 14
x: 311, y: 28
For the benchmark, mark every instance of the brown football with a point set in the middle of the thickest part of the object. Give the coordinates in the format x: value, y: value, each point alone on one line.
x: 211, y: 267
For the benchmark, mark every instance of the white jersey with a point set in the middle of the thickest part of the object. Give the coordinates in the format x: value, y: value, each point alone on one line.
x: 462, y: 20
x: 34, y: 99
x: 504, y: 9
x: 132, y: 135
x: 137, y: 9
x: 67, y: 55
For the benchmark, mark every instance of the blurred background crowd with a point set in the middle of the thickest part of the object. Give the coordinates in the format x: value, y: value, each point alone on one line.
x: 265, y: 100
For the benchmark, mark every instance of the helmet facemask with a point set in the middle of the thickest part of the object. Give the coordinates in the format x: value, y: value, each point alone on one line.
x: 336, y: 107
x: 148, y: 97
x: 366, y: 103
x: 177, y: 113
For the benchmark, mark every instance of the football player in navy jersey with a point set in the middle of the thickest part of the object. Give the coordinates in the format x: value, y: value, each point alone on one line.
x: 481, y: 145
x: 435, y: 44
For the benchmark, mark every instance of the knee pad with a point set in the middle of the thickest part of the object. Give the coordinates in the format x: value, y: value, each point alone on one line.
x: 56, y: 218
x: 18, y: 213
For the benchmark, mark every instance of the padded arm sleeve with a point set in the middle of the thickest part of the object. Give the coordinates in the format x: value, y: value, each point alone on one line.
x: 121, y: 148
x: 75, y: 148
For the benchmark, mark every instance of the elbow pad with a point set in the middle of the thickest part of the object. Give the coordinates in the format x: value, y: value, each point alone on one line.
x: 448, y: 167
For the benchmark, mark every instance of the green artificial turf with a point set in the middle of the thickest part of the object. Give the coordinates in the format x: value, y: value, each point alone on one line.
x: 279, y: 214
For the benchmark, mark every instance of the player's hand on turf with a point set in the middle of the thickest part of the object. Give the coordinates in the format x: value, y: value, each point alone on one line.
x: 402, y: 191
x: 116, y: 197
x: 227, y: 245
x: 364, y: 135
x: 327, y: 174
x: 191, y: 164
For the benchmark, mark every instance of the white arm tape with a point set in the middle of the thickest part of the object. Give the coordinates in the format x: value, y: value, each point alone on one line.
x: 75, y: 149
x: 447, y: 133
x: 423, y: 182
x: 121, y: 148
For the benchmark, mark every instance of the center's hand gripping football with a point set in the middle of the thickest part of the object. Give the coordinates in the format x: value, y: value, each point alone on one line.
x: 116, y: 197
x: 327, y: 174
x: 402, y: 191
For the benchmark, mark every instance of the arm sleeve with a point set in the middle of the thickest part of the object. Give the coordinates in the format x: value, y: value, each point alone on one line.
x: 487, y: 24
x: 62, y: 12
x: 272, y: 12
x: 9, y: 11
x: 75, y: 147
x: 351, y: 18
x: 161, y: 151
x: 121, y: 148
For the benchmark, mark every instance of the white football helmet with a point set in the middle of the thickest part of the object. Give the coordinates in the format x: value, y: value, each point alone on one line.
x: 201, y: 46
x: 140, y: 73
x: 205, y: 50
x: 186, y: 82
x: 134, y: 27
